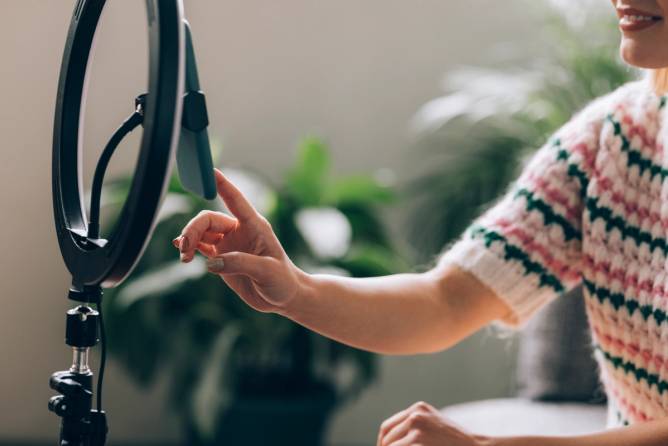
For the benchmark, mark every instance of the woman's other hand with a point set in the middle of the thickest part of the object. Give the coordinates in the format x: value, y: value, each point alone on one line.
x: 423, y: 425
x: 243, y: 250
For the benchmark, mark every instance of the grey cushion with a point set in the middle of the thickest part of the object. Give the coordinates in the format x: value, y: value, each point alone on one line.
x: 555, y: 361
x: 525, y: 417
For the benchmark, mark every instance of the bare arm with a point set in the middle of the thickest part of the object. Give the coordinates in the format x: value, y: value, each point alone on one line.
x: 400, y: 314
x: 407, y: 313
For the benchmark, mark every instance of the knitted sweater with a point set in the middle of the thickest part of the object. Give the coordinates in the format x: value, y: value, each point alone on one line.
x: 591, y: 208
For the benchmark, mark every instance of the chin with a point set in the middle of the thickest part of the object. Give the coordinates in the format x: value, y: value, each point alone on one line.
x: 641, y: 54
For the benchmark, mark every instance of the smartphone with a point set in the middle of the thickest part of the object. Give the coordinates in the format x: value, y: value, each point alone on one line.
x: 193, y: 154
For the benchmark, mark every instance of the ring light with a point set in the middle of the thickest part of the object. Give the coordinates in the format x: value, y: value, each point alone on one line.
x: 96, y: 261
x: 174, y: 119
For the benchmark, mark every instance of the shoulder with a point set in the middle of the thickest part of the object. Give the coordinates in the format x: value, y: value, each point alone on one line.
x: 636, y: 96
x: 632, y: 98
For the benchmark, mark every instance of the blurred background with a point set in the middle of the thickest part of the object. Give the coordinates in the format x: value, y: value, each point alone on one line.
x: 370, y: 134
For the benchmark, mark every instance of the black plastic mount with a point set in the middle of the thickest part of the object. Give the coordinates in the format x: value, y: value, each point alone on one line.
x: 89, y: 294
x: 74, y: 406
x: 95, y: 261
x: 81, y: 327
x: 195, y: 116
x: 80, y: 425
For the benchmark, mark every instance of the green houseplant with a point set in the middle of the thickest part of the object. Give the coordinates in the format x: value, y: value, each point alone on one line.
x: 237, y: 376
x: 474, y: 138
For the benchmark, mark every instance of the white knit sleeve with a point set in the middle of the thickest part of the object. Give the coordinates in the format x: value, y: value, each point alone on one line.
x: 527, y: 247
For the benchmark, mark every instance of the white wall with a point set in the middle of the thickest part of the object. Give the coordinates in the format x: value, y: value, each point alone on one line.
x: 350, y: 71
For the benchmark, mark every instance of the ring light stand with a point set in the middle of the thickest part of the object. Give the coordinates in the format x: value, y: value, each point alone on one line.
x: 168, y: 113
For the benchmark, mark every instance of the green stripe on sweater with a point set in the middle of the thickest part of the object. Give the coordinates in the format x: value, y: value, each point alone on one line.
x: 512, y: 252
x: 573, y: 170
x: 618, y: 300
x: 628, y: 231
x: 640, y: 373
x: 635, y: 158
x: 549, y: 216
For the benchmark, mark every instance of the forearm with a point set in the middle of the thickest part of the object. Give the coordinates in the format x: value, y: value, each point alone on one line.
x: 400, y: 314
x: 654, y: 433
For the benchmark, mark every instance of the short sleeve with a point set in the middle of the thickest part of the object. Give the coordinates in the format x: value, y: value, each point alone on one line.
x: 528, y: 246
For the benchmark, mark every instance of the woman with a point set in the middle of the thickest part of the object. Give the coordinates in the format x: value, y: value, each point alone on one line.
x: 591, y: 207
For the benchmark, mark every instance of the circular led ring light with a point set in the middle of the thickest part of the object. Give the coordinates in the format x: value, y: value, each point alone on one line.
x: 95, y: 261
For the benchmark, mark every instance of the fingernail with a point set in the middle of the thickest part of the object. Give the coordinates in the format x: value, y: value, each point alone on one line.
x: 184, y: 243
x: 215, y: 264
x: 175, y: 242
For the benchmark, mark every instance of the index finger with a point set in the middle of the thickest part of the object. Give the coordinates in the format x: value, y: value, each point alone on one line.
x: 234, y: 199
x: 199, y: 226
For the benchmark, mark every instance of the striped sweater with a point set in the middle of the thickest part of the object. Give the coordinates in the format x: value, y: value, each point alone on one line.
x: 591, y: 208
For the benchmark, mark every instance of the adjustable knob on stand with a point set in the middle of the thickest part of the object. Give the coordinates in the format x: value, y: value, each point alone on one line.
x: 81, y: 426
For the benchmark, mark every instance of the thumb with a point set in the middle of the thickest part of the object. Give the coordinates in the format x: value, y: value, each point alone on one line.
x: 242, y: 263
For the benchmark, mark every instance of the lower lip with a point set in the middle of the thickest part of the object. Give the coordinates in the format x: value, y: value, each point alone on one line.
x: 626, y: 25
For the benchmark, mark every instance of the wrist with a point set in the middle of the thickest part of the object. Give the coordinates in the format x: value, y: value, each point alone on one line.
x: 305, y: 289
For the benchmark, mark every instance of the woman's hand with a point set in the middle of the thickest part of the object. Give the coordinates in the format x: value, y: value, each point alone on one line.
x: 243, y: 250
x: 423, y: 425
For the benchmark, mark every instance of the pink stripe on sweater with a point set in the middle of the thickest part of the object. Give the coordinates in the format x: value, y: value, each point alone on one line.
x: 634, y: 130
x: 628, y: 383
x: 643, y: 188
x: 641, y: 391
x: 629, y: 281
x: 555, y: 195
x: 587, y: 153
x: 566, y: 272
x: 629, y: 407
x: 605, y: 184
x: 633, y: 350
x: 621, y: 321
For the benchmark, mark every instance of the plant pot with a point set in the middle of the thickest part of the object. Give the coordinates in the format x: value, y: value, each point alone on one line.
x: 275, y: 422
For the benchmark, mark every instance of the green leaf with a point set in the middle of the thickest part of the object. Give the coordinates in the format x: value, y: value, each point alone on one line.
x: 357, y: 189
x: 307, y: 180
x: 210, y: 395
x: 368, y: 226
x: 174, y: 204
x: 160, y: 281
x: 370, y: 261
x: 174, y: 186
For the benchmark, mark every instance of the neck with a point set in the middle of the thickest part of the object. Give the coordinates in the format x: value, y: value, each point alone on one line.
x: 660, y: 81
